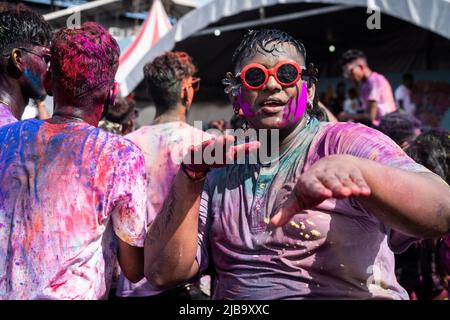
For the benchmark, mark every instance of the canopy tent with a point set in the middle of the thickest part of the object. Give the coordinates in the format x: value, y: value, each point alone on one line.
x: 154, y: 27
x: 211, y: 32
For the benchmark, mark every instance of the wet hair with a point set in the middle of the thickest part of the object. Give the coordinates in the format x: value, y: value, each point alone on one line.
x: 84, y: 60
x: 264, y: 41
x: 164, y: 77
x: 21, y: 27
x: 351, y: 55
x: 432, y: 150
x: 120, y: 111
x: 399, y: 126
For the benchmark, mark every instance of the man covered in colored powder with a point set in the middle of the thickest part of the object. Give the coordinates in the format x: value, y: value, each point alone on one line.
x: 321, y: 220
x: 72, y: 195
x: 375, y: 91
x: 171, y: 83
x: 24, y: 40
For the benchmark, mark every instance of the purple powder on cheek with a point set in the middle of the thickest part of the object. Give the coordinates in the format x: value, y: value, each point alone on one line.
x: 34, y: 78
x: 296, y: 107
x: 244, y: 105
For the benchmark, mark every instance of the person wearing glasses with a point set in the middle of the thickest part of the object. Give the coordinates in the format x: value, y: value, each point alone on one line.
x: 375, y: 91
x: 319, y: 220
x: 72, y: 195
x: 171, y: 83
x: 24, y: 40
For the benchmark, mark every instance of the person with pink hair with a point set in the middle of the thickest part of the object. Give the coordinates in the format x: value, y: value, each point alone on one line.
x: 72, y: 195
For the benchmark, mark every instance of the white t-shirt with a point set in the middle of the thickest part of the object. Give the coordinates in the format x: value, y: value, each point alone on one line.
x: 67, y: 190
x: 352, y: 106
x: 404, y: 94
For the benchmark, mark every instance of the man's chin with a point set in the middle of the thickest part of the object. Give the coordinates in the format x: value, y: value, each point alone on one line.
x: 271, y: 123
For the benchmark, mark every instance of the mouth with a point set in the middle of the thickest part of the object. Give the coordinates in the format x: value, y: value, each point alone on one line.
x: 272, y: 106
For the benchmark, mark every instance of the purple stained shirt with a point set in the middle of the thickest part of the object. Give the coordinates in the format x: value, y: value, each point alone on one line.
x: 377, y: 88
x: 65, y: 190
x: 6, y: 116
x: 338, y: 250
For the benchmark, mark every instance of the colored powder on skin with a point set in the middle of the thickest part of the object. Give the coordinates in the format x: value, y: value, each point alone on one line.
x: 296, y: 107
x: 315, y: 233
x: 292, y: 113
x: 34, y: 78
x: 245, y: 106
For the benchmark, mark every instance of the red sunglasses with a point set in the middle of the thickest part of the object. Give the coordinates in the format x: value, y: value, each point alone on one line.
x: 254, y: 76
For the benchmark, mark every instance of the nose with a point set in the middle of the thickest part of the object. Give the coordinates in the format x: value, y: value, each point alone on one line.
x: 272, y: 84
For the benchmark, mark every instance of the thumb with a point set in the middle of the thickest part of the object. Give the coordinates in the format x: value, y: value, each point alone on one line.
x: 291, y: 207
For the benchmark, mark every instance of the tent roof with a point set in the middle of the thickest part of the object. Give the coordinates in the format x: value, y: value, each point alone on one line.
x: 403, y: 43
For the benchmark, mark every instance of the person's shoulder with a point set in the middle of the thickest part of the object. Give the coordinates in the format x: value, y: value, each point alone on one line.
x: 198, y: 132
x: 28, y: 124
x: 122, y: 146
x: 136, y: 134
x: 346, y: 129
x: 379, y: 78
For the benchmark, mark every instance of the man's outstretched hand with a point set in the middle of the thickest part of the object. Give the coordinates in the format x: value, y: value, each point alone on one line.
x: 337, y: 176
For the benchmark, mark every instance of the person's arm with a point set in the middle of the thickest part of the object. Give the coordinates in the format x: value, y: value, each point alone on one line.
x: 127, y: 204
x: 364, y: 163
x: 415, y: 203
x: 171, y: 243
x: 131, y: 261
x: 42, y: 110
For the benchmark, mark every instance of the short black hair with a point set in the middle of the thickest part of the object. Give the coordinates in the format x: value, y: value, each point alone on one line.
x: 164, y: 76
x: 256, y: 40
x: 399, y: 126
x: 20, y: 26
x: 121, y: 110
x: 351, y: 55
x: 432, y: 150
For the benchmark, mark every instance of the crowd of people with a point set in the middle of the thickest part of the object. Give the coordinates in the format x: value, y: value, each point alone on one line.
x: 91, y: 208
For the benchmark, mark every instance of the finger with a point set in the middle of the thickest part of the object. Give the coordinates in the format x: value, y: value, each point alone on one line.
x: 225, y: 140
x: 291, y: 207
x: 332, y: 182
x: 313, y: 188
x: 200, y: 147
x: 348, y: 183
x: 359, y: 180
x: 242, y: 149
x: 193, y: 150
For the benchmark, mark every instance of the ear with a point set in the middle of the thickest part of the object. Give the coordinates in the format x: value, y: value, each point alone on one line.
x: 16, y: 59
x: 47, y: 82
x: 112, y: 94
x: 184, y: 91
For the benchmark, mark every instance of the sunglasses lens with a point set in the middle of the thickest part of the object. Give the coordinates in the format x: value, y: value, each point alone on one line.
x: 254, y: 77
x: 287, y: 73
